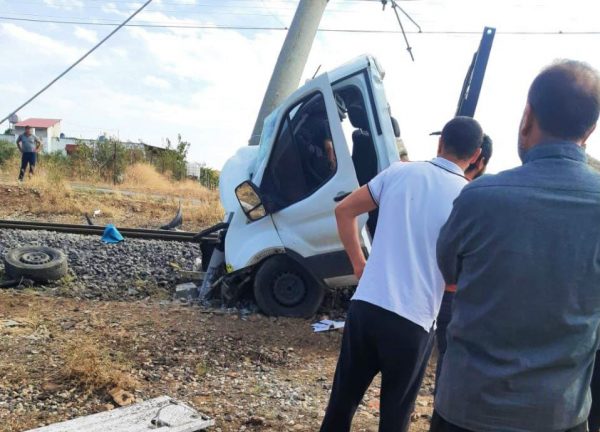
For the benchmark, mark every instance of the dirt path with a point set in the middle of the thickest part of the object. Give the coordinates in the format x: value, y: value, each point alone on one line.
x: 60, y: 357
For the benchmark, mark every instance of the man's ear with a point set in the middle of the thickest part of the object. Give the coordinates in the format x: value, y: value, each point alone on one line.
x: 475, y: 156
x: 526, y: 122
x: 440, y: 146
x: 587, y: 135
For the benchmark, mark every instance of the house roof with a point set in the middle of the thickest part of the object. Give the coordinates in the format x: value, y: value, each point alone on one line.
x: 38, y: 123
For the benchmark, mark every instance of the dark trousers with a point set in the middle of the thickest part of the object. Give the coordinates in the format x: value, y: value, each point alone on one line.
x: 376, y: 340
x: 27, y: 158
x: 438, y: 424
x: 594, y: 417
x: 442, y: 322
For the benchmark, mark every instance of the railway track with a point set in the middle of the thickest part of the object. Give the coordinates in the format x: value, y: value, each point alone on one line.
x: 140, y: 233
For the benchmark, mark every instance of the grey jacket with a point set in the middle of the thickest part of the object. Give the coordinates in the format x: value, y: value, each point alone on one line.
x: 524, y: 248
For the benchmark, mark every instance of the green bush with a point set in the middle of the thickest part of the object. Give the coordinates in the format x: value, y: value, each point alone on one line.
x: 7, y: 151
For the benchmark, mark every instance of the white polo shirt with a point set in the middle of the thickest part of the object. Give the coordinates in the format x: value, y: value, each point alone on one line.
x: 402, y: 275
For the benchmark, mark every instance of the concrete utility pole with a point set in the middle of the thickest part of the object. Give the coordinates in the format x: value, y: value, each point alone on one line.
x: 291, y: 61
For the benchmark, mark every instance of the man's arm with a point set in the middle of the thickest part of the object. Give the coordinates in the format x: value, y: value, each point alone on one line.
x: 38, y: 144
x: 450, y: 243
x: 330, y: 154
x: 19, y: 144
x: 346, y: 213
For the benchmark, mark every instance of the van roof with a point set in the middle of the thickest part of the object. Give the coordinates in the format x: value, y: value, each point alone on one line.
x: 357, y: 64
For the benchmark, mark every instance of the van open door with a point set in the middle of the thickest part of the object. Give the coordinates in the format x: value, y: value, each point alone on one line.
x: 308, y: 171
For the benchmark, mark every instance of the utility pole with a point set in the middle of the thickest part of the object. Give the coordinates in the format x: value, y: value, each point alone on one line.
x: 291, y: 61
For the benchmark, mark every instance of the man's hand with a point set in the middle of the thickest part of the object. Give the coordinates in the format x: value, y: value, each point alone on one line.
x: 359, y: 267
x: 346, y: 213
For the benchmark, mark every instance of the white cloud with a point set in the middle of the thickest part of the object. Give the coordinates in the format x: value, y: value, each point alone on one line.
x: 31, y: 42
x: 38, y: 42
x: 159, y: 83
x: 119, y: 52
x: 86, y: 34
x: 111, y: 8
x: 64, y: 4
x: 12, y: 88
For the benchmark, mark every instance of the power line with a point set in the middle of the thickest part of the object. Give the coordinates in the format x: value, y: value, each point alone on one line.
x: 327, y: 30
x: 78, y: 61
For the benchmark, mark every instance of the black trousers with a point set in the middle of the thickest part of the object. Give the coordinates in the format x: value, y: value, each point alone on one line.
x: 27, y: 158
x: 438, y: 424
x: 376, y: 340
x: 442, y: 322
x: 594, y: 417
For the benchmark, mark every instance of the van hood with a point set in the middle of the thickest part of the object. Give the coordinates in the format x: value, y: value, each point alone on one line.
x: 236, y: 170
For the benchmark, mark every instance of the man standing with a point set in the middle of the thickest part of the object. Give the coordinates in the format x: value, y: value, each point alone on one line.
x: 28, y: 145
x: 524, y: 248
x: 389, y: 322
x: 474, y: 171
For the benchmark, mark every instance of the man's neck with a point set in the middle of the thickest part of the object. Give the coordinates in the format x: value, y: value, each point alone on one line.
x: 463, y: 165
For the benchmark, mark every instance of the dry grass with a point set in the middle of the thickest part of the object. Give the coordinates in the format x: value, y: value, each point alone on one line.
x: 49, y: 195
x: 92, y: 367
x: 144, y: 177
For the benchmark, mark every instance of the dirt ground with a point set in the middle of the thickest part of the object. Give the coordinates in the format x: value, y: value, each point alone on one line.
x: 68, y: 205
x: 61, y: 358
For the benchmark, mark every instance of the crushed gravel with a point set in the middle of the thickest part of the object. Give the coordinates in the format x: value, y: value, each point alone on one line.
x: 131, y: 269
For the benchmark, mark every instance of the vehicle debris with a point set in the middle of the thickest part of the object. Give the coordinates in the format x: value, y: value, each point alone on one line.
x: 162, y: 412
x: 327, y: 325
x: 38, y: 263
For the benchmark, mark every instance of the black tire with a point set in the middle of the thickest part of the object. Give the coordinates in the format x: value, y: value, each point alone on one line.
x: 283, y: 288
x: 38, y: 263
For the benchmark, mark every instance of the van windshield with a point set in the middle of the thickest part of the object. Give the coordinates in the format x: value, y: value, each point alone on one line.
x: 266, y: 137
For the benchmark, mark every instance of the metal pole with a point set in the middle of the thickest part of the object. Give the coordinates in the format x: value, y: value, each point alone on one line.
x: 291, y: 61
x: 469, y: 95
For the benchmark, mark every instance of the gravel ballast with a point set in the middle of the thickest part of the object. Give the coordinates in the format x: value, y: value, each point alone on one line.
x: 131, y: 269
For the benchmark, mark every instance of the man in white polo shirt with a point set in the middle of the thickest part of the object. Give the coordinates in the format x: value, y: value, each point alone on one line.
x: 391, y: 316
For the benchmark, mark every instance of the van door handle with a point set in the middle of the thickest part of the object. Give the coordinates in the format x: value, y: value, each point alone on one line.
x: 340, y: 196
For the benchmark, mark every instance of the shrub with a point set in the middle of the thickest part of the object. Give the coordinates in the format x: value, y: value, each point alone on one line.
x: 8, y: 150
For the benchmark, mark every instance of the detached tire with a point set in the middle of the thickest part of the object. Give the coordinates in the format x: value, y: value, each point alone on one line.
x: 284, y: 288
x: 38, y: 263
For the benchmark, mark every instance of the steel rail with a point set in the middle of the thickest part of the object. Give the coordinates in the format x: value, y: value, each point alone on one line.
x: 147, y: 234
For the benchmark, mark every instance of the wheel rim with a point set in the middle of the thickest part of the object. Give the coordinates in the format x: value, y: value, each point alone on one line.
x: 35, y: 258
x: 289, y: 289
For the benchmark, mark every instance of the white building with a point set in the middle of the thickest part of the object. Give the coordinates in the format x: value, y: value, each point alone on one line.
x: 47, y: 130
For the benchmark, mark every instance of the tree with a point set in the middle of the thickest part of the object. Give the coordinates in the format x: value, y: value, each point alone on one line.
x: 173, y: 159
x: 209, y: 177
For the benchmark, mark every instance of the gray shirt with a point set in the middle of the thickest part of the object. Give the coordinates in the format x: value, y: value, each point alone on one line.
x: 28, y: 143
x: 524, y: 248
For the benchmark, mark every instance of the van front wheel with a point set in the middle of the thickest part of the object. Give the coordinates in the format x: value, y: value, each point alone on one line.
x: 284, y: 288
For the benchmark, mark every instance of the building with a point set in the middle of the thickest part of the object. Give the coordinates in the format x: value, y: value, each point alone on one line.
x: 193, y: 169
x: 47, y: 130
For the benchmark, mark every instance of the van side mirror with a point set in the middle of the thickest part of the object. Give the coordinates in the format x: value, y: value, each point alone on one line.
x: 248, y: 195
x: 396, y: 127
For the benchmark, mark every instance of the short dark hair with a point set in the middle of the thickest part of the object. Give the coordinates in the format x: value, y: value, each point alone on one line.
x: 486, y: 148
x: 462, y: 136
x: 565, y: 99
x: 27, y: 127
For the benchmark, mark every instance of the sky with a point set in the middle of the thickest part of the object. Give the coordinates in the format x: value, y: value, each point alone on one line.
x: 150, y: 84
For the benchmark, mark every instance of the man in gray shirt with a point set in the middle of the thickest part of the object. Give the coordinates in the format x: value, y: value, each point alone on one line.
x: 523, y: 246
x: 28, y: 145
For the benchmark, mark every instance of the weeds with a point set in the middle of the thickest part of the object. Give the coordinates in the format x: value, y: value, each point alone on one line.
x: 92, y: 367
x: 201, y: 369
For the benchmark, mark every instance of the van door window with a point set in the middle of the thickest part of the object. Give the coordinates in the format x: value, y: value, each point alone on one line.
x: 303, y: 157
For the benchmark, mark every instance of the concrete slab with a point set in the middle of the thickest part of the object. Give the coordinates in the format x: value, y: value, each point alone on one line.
x: 162, y: 413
